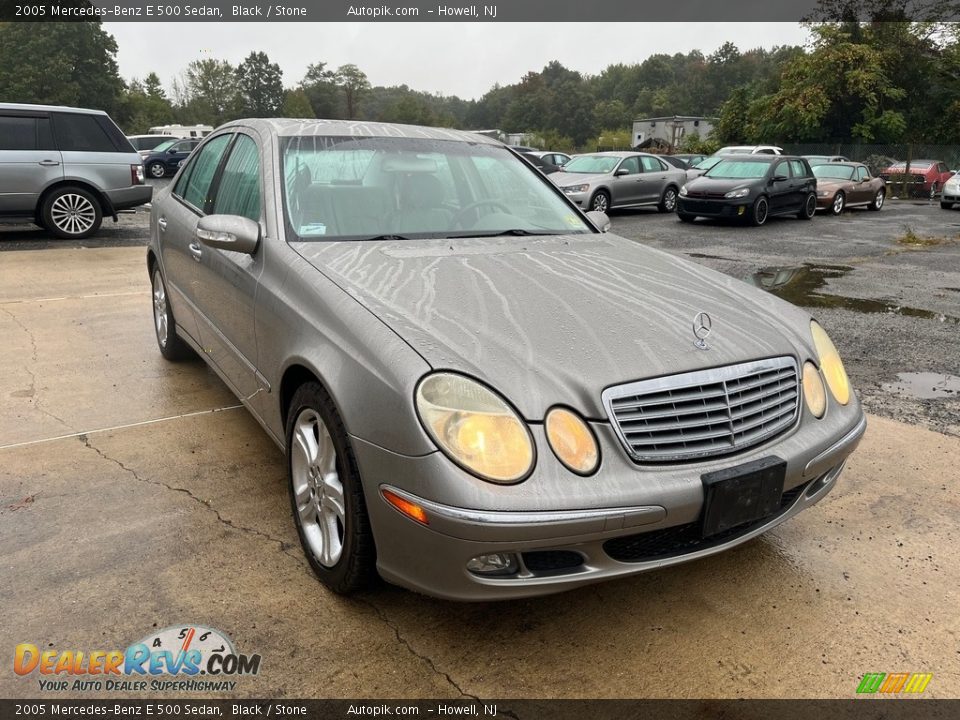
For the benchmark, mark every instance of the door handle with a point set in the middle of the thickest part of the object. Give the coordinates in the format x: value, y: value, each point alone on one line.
x: 162, y: 223
x: 48, y: 163
x: 196, y: 251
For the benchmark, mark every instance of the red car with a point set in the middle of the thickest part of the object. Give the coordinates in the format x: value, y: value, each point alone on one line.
x: 926, y: 177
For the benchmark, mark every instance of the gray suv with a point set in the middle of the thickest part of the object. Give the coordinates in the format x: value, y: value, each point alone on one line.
x: 65, y: 168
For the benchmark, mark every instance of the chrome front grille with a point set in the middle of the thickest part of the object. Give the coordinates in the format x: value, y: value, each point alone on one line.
x: 705, y: 413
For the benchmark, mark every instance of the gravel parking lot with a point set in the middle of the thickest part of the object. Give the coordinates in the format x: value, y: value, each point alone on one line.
x: 134, y: 495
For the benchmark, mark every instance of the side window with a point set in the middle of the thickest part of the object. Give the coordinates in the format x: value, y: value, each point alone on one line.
x: 862, y: 173
x: 239, y: 189
x: 183, y: 147
x: 196, y: 181
x: 651, y: 164
x: 942, y: 168
x: 798, y: 169
x: 81, y: 133
x: 631, y: 165
x: 783, y: 168
x: 18, y: 133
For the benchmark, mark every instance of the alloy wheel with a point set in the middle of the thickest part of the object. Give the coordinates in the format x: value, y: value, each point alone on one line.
x: 317, y: 488
x: 73, y: 214
x: 160, y: 309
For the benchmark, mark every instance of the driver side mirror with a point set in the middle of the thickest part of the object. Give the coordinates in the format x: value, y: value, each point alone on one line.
x: 600, y: 220
x: 621, y: 171
x: 229, y: 232
x: 779, y: 178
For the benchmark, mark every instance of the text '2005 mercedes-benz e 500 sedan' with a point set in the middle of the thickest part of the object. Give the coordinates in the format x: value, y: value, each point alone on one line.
x: 480, y: 393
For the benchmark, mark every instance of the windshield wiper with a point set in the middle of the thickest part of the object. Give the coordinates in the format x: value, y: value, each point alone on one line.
x: 511, y: 231
x: 377, y: 238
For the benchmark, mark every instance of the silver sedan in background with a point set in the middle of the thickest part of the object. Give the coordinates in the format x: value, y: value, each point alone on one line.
x: 479, y: 393
x: 615, y: 180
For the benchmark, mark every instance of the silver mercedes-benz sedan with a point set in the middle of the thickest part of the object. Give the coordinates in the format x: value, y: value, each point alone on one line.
x: 480, y: 393
x: 617, y: 180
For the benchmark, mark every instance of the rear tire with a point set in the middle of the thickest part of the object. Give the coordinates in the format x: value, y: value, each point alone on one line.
x: 760, y: 211
x: 809, y: 208
x: 71, y: 213
x: 839, y: 202
x: 171, y: 345
x: 156, y: 170
x: 326, y: 494
x: 668, y: 201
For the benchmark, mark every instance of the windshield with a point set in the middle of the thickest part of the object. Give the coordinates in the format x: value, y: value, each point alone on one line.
x: 166, y: 145
x: 348, y: 188
x: 738, y: 169
x: 592, y: 164
x: 707, y: 163
x: 838, y: 172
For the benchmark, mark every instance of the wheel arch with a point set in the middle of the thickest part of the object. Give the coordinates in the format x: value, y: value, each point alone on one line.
x: 106, y: 207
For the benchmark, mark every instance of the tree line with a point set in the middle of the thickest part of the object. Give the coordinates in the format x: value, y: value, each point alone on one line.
x: 887, y: 81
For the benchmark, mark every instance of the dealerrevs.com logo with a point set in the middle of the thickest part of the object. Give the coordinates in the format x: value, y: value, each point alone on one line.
x: 189, y: 658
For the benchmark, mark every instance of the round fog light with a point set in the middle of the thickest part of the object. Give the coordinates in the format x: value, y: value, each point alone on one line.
x: 494, y: 564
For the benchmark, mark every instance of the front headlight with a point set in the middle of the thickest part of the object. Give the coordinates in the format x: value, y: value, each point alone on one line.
x: 475, y: 427
x: 683, y: 191
x: 572, y: 441
x: 573, y: 189
x: 823, y: 193
x: 814, y: 394
x: 742, y: 192
x: 830, y: 364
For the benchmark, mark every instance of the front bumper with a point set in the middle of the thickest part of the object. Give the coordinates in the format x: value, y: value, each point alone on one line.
x: 702, y: 207
x: 580, y: 199
x: 433, y: 559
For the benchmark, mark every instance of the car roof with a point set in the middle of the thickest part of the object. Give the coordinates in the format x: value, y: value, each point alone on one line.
x: 49, y: 108
x: 757, y: 157
x: 354, y: 128
x: 155, y: 135
x: 845, y: 163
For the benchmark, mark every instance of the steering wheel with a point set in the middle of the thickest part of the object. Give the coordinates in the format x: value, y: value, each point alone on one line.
x: 458, y: 218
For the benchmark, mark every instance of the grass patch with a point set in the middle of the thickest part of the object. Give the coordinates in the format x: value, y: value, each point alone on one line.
x: 910, y: 239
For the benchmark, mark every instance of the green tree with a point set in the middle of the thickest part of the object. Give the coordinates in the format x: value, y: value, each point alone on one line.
x: 144, y: 105
x: 296, y: 104
x: 352, y: 82
x: 60, y: 64
x: 260, y: 86
x: 207, y: 92
x: 321, y: 89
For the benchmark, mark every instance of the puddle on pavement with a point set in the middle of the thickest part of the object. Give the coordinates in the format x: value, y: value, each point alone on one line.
x: 803, y: 285
x: 926, y: 386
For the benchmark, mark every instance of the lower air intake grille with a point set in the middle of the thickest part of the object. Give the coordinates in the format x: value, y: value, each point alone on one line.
x: 705, y: 413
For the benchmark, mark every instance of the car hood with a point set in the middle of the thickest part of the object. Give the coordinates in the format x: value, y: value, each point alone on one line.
x: 555, y: 320
x: 704, y: 185
x: 563, y: 178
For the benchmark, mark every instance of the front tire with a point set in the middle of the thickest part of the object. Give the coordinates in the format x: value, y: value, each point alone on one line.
x: 71, y: 213
x: 156, y: 170
x: 946, y: 205
x: 326, y: 494
x: 760, y: 211
x: 668, y: 201
x: 600, y: 201
x: 839, y: 201
x: 171, y: 345
x: 686, y: 217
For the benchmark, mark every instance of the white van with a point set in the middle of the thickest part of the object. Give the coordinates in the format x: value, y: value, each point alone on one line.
x: 182, y: 131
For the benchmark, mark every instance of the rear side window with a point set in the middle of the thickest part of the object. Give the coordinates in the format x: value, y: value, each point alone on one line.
x: 194, y: 185
x: 652, y: 164
x: 81, y: 133
x: 798, y: 169
x: 239, y: 190
x: 18, y: 133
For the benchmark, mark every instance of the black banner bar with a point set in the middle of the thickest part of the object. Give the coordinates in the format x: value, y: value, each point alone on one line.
x: 873, y: 707
x: 538, y: 11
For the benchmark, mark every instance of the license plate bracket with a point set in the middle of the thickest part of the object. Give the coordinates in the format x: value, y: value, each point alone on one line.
x: 742, y: 494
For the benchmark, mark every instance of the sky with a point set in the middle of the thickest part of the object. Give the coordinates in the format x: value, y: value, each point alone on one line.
x: 464, y: 59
